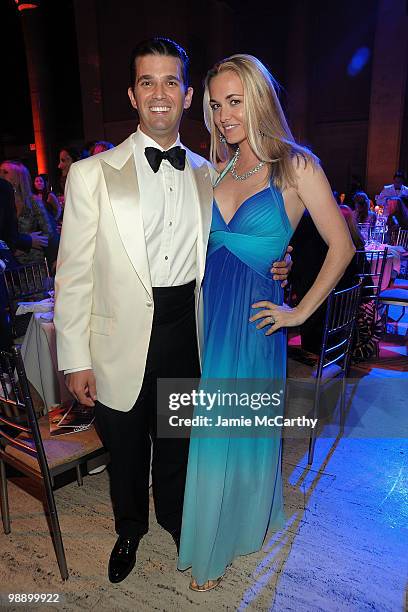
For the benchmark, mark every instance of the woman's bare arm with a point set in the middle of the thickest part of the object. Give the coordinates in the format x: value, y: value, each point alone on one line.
x: 314, y: 194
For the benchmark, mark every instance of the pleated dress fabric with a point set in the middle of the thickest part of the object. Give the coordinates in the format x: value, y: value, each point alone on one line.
x: 233, y: 492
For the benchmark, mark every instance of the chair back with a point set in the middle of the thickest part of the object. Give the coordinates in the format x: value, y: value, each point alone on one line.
x: 371, y: 266
x: 28, y: 283
x: 402, y: 238
x: 17, y: 414
x: 338, y: 330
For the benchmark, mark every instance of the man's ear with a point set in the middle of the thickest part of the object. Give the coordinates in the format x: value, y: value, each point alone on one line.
x: 188, y: 98
x: 132, y: 98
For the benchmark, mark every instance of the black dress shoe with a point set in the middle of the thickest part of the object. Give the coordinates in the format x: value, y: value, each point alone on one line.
x: 123, y: 558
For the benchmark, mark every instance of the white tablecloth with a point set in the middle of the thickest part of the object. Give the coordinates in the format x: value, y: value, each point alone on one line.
x: 39, y: 354
x: 393, y: 263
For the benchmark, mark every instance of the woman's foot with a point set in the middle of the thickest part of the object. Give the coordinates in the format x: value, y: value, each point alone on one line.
x: 207, y: 586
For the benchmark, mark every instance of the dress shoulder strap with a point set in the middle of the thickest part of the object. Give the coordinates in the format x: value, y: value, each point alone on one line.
x: 224, y: 172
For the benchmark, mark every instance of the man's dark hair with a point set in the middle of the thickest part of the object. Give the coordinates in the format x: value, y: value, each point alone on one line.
x: 159, y: 46
x: 399, y: 174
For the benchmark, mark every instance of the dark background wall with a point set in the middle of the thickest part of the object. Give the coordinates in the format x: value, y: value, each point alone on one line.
x: 309, y: 45
x: 62, y: 64
x: 339, y: 97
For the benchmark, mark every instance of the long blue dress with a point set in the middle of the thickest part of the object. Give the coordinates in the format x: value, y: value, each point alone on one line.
x: 234, y: 489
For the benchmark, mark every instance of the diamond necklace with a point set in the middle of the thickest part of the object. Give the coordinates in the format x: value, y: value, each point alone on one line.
x: 243, y: 177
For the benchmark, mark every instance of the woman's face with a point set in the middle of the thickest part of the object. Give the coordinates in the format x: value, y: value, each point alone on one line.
x: 39, y: 183
x: 227, y: 105
x: 9, y: 173
x: 65, y: 161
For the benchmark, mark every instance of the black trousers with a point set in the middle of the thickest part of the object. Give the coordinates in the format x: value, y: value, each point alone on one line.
x: 173, y: 353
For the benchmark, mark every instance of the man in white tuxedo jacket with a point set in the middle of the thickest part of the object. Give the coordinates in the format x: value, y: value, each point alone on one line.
x: 130, y: 267
x: 395, y: 190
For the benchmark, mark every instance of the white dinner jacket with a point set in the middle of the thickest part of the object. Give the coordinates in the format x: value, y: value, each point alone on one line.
x: 104, y: 303
x: 389, y: 191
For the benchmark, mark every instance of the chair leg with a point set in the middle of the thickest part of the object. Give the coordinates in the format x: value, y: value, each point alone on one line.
x: 343, y: 405
x: 313, y: 432
x: 79, y: 476
x: 5, y: 513
x: 56, y: 532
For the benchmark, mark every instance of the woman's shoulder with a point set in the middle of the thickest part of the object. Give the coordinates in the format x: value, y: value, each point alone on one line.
x: 304, y: 162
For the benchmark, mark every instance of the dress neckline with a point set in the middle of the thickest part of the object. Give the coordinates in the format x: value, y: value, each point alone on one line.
x: 240, y: 206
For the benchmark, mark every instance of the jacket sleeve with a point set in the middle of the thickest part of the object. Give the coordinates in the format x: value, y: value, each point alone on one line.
x: 74, y: 277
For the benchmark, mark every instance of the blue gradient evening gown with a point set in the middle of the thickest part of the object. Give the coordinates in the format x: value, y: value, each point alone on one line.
x: 234, y: 488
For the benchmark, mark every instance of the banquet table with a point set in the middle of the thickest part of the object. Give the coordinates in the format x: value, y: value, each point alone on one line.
x: 39, y: 352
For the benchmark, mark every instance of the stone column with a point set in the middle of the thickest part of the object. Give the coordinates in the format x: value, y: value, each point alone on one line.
x: 34, y: 40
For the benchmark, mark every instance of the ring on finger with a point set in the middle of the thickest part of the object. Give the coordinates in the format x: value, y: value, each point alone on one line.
x: 272, y: 320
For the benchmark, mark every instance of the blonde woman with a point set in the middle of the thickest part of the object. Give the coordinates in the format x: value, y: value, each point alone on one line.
x: 234, y: 486
x: 31, y: 215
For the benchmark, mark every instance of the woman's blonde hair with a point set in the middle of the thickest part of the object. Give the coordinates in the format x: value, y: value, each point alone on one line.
x: 268, y: 133
x: 21, y: 182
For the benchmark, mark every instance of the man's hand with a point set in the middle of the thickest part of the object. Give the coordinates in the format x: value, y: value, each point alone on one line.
x: 38, y: 240
x: 281, y: 269
x: 82, y: 385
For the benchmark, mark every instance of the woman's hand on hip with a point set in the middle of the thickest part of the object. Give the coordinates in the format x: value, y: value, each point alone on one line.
x: 276, y: 316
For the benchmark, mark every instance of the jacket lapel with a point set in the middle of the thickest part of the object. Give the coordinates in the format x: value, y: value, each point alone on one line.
x: 121, y: 182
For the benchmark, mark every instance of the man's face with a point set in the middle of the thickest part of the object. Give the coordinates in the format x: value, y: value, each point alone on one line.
x: 397, y: 182
x: 159, y: 96
x: 65, y: 161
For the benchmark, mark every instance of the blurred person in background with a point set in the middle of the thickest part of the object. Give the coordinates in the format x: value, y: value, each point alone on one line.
x: 10, y: 240
x: 10, y: 237
x: 395, y: 190
x: 27, y: 209
x: 362, y: 212
x: 43, y: 193
x: 67, y: 156
x: 397, y: 214
x: 99, y: 146
x: 31, y: 215
x: 309, y: 251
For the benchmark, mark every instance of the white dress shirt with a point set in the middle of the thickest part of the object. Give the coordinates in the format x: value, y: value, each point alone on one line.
x: 170, y: 217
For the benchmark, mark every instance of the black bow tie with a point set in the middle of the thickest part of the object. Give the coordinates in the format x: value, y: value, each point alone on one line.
x: 176, y: 156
